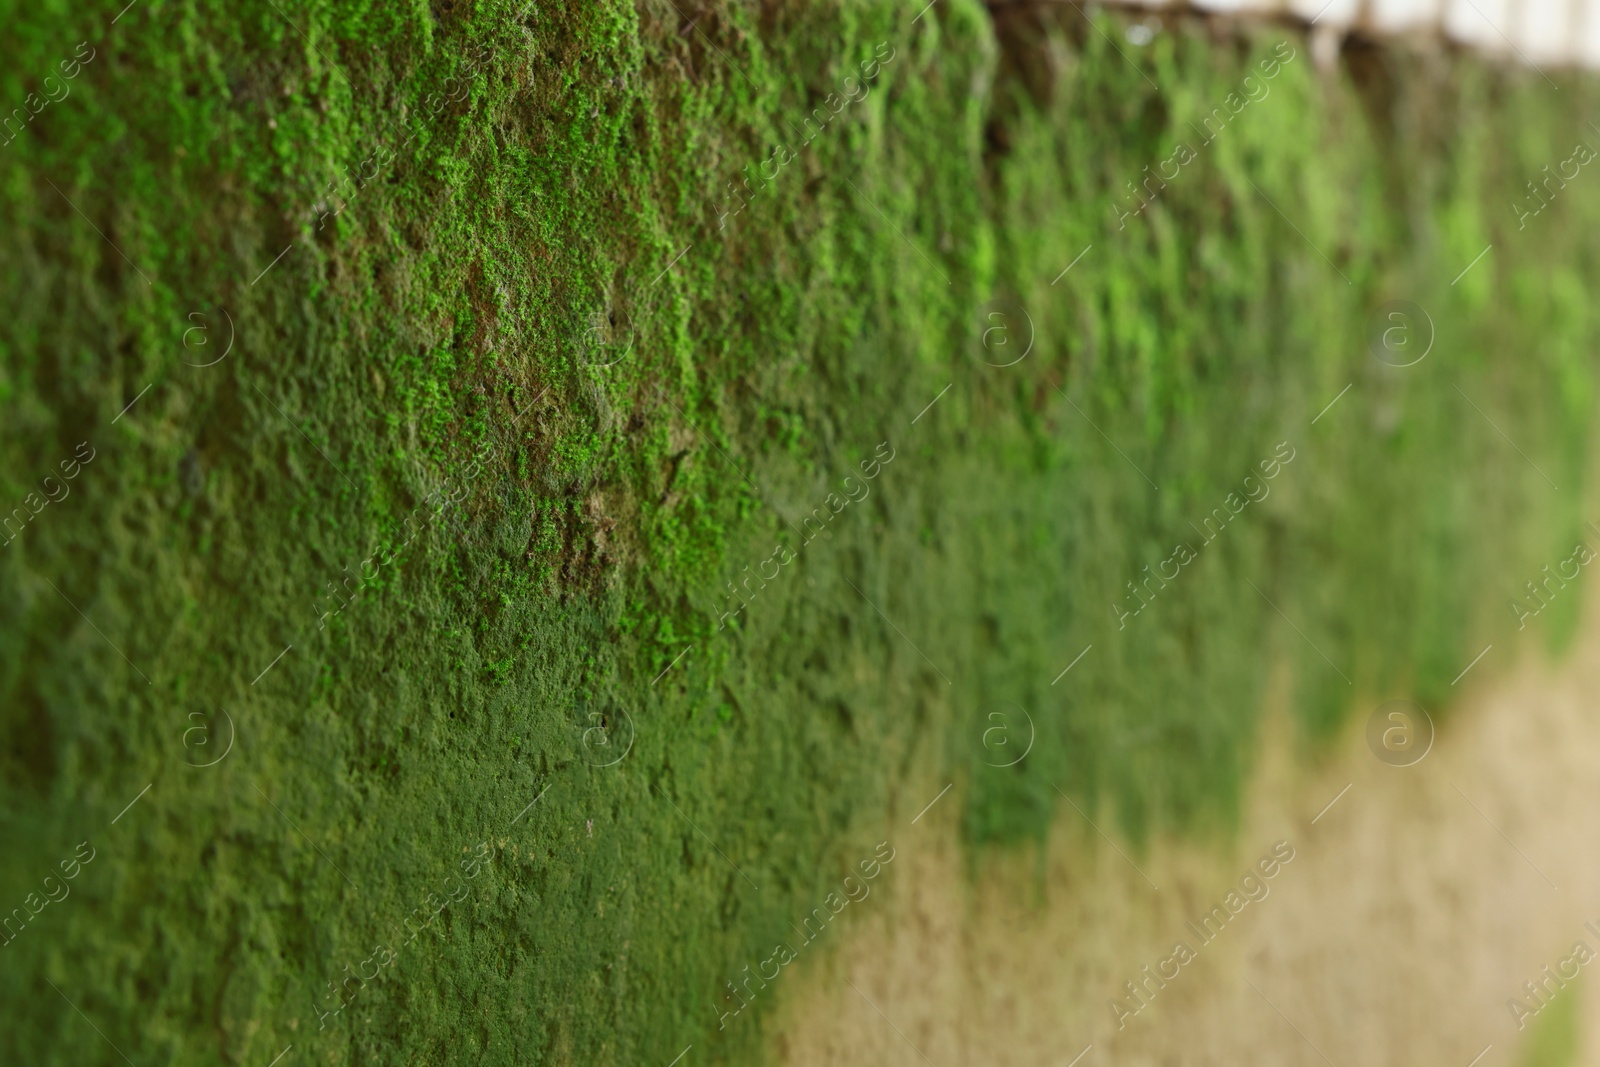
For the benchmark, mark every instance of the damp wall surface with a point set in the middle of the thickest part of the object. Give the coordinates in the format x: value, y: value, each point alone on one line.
x: 508, y: 508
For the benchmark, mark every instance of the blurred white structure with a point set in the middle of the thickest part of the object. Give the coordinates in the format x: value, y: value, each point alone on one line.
x: 1540, y: 33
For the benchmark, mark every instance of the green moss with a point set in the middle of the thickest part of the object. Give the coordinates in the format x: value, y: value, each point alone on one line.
x: 1554, y: 1041
x: 538, y: 277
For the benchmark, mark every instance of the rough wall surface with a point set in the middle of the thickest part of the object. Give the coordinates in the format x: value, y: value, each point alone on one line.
x: 509, y: 506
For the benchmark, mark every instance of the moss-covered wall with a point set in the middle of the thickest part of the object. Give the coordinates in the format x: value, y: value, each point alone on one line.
x: 438, y: 380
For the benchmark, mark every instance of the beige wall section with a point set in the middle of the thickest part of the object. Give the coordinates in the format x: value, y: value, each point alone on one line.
x: 1413, y: 909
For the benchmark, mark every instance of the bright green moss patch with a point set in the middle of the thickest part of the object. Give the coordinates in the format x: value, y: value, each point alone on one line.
x: 1554, y: 1040
x: 525, y: 534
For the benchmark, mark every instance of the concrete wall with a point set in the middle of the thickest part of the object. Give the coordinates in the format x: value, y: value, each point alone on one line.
x: 1541, y: 33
